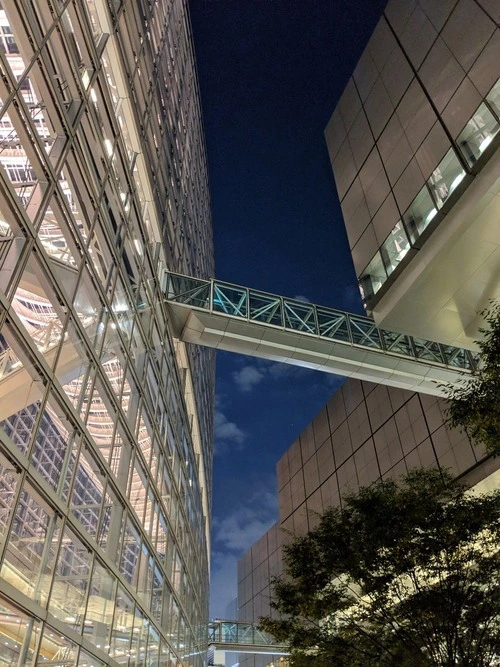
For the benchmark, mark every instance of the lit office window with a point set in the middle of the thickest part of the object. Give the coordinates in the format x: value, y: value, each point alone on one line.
x: 446, y: 177
x: 373, y: 277
x: 478, y: 134
x: 395, y: 247
x: 493, y: 97
x: 419, y: 214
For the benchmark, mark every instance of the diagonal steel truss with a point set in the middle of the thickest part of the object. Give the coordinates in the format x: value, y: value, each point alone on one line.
x: 298, y: 316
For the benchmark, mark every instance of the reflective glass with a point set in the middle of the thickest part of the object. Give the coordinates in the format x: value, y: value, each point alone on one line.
x: 419, y: 214
x: 19, y: 636
x: 25, y: 556
x: 373, y: 277
x: 300, y: 316
x: 446, y: 177
x: 100, y: 606
x: 71, y: 581
x: 493, y: 98
x: 266, y: 308
x: 478, y: 134
x: 395, y: 247
x: 230, y: 300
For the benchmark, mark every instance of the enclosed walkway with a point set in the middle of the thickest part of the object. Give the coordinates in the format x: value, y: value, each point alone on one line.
x: 246, y: 321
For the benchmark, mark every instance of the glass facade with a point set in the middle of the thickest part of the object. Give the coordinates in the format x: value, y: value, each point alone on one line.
x: 105, y: 421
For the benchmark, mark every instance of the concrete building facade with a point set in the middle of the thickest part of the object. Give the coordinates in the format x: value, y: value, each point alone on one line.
x: 105, y: 421
x: 364, y: 433
x: 414, y: 144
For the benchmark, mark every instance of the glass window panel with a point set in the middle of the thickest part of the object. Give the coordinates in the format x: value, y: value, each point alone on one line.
x: 130, y: 552
x: 364, y: 332
x: 15, y: 163
x: 12, y: 252
x: 373, y: 277
x: 111, y: 512
x: 73, y: 365
x: 101, y: 418
x: 398, y: 343
x: 100, y: 607
x: 395, y: 247
x: 20, y: 426
x: 299, y: 316
x: 478, y: 134
x: 88, y: 493
x: 25, y: 554
x: 157, y: 594
x: 40, y: 312
x: 59, y: 244
x: 333, y: 324
x: 145, y: 434
x: 88, y: 660
x: 113, y: 368
x: 70, y: 469
x: 55, y: 649
x: 9, y: 479
x: 52, y: 442
x: 161, y: 541
x: 19, y: 636
x: 71, y: 581
x: 121, y: 447
x: 90, y: 309
x: 230, y: 300
x: 154, y: 647
x: 266, y: 308
x: 139, y: 642
x: 167, y: 657
x: 446, y: 177
x: 419, y: 214
x: 428, y: 350
x: 145, y: 575
x: 123, y: 623
x: 493, y: 98
x: 457, y: 357
x: 137, y: 493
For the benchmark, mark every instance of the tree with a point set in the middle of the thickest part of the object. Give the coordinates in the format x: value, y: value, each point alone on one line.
x: 403, y: 574
x: 475, y: 404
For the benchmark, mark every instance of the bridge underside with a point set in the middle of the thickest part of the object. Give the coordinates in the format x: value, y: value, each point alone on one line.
x: 219, y: 330
x: 248, y: 648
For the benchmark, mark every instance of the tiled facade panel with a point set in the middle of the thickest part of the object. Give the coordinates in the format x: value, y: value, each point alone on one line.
x: 417, y: 115
x: 364, y: 433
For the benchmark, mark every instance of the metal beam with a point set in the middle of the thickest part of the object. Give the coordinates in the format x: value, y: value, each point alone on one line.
x: 245, y: 321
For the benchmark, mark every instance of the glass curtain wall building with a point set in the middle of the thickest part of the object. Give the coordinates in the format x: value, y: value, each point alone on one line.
x: 105, y: 422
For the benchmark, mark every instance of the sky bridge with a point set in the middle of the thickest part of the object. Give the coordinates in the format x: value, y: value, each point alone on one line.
x: 247, y: 321
x: 239, y: 637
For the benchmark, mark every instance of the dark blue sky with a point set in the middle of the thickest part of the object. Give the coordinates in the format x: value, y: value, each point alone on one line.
x: 271, y: 72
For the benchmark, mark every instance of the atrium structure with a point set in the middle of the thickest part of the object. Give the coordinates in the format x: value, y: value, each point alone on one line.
x: 105, y: 420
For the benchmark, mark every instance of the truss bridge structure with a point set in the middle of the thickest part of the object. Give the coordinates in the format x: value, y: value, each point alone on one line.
x: 247, y: 321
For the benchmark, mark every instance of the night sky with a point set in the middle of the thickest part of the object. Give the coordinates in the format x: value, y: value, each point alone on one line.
x: 271, y: 72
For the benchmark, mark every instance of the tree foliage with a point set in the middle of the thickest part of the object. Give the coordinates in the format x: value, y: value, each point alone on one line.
x: 475, y: 404
x: 403, y: 575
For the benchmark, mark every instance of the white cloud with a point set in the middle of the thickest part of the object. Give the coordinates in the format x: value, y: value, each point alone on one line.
x: 239, y: 529
x: 301, y: 297
x: 232, y: 536
x: 227, y: 432
x: 247, y: 378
